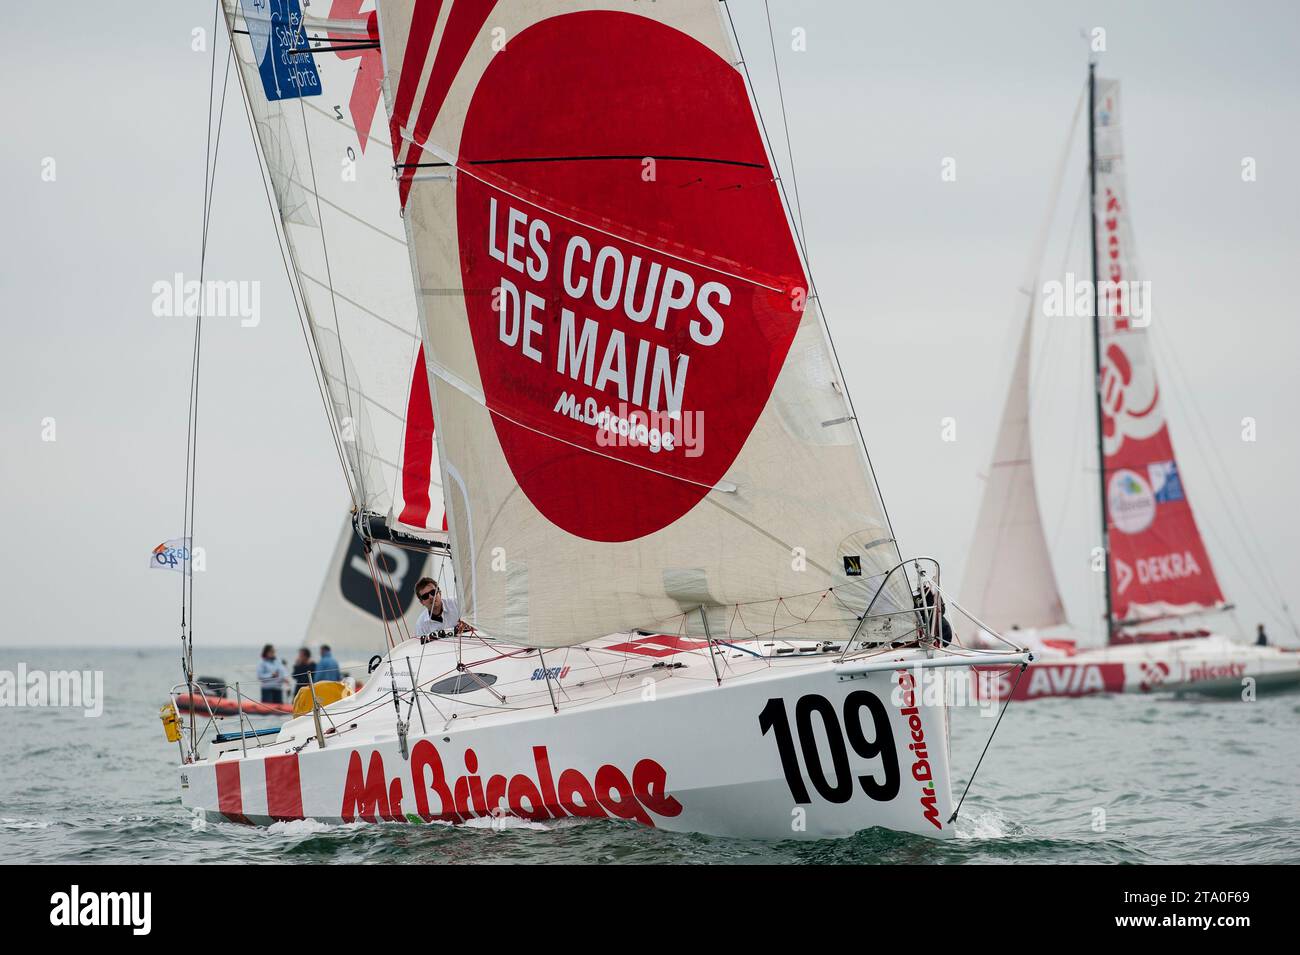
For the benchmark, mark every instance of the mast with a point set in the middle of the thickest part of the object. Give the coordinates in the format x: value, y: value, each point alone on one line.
x: 1096, y: 334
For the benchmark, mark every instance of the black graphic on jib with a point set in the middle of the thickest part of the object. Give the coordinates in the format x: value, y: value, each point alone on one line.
x: 397, y: 570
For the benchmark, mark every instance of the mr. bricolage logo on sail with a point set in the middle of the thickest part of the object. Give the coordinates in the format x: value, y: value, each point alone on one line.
x: 626, y: 262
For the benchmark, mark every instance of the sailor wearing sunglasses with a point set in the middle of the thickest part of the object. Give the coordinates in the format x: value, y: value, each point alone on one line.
x: 441, y: 616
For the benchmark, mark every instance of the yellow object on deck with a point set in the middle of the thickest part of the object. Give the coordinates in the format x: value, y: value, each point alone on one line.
x: 171, y: 724
x: 327, y: 692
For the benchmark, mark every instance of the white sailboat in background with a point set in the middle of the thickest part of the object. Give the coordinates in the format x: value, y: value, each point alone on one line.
x: 686, y: 605
x: 1158, y: 572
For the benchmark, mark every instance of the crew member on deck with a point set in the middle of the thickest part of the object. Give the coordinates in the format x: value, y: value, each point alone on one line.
x: 328, y: 667
x: 272, y: 674
x: 928, y: 597
x: 1261, y: 640
x: 440, y: 611
x: 304, y: 669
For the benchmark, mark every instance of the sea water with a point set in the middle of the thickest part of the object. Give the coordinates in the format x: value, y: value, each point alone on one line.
x: 1125, y: 779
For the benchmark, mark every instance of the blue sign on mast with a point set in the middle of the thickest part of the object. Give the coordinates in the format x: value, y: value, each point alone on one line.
x: 280, y: 47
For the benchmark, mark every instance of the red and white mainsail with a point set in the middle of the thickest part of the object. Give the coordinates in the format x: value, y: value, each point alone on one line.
x: 639, y: 413
x: 313, y: 88
x: 1159, y: 564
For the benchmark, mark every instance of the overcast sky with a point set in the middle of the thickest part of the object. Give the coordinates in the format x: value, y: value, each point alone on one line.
x: 919, y: 278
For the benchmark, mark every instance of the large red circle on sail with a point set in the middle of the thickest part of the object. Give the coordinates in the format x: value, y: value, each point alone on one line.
x: 612, y: 174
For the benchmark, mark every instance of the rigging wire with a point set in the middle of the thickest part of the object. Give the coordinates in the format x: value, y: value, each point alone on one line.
x: 329, y: 277
x: 314, y: 351
x: 189, y: 408
x: 1182, y: 380
x: 1239, y: 521
x: 379, y: 597
x: 298, y: 295
x: 399, y: 617
x: 186, y: 669
x: 988, y: 743
x: 803, y: 249
x: 1081, y: 395
x: 789, y: 149
x: 210, y: 152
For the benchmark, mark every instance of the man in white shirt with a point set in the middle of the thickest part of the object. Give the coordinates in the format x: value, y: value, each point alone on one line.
x: 440, y: 611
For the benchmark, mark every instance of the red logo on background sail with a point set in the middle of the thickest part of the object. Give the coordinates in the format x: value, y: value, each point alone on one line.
x: 1154, y: 674
x: 1130, y: 502
x: 1129, y: 399
x: 370, y: 71
x: 1129, y: 393
x: 593, y: 285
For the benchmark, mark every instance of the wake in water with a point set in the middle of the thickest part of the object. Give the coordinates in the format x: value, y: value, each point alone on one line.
x: 981, y: 823
x: 7, y: 823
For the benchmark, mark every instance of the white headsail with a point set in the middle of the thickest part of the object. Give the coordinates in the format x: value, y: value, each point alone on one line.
x: 1009, y: 579
x: 639, y: 412
x: 313, y: 89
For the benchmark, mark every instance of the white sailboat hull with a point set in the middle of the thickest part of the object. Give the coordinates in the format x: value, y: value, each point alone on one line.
x: 1213, y: 665
x: 675, y: 750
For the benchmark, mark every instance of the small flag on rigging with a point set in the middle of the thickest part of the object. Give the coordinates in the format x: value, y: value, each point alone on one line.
x: 172, y: 555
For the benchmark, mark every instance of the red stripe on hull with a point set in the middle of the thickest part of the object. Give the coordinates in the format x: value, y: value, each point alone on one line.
x: 230, y: 798
x: 283, y: 788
